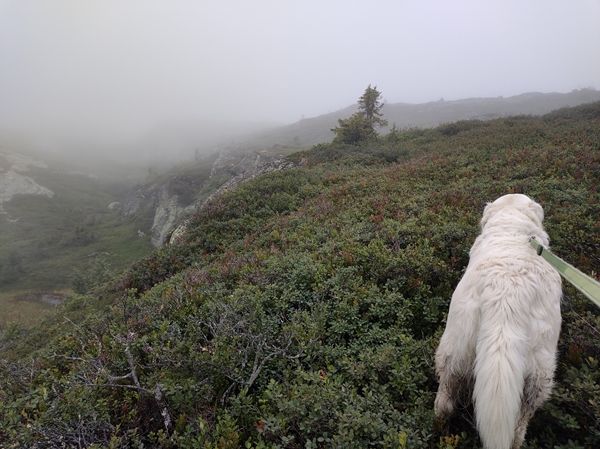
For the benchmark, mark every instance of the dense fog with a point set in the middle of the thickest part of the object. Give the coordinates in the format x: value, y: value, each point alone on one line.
x: 140, y: 79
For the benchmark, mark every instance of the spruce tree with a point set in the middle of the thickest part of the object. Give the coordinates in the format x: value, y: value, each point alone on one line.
x: 369, y: 105
x: 361, y: 125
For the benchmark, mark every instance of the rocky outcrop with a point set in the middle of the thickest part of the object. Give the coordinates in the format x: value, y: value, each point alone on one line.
x: 257, y: 170
x: 167, y: 211
x: 134, y: 200
x: 168, y: 208
x: 12, y: 182
x: 164, y: 206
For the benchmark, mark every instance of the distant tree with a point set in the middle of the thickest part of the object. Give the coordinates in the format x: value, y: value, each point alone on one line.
x: 362, y: 125
x: 394, y: 135
x: 354, y: 129
x: 369, y: 104
x: 97, y: 272
x: 12, y: 267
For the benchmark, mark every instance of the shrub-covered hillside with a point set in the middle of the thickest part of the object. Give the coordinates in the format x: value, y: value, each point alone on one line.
x: 303, y: 308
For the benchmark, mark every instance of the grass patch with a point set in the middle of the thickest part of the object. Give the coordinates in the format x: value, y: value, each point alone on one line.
x: 24, y: 309
x: 44, y: 239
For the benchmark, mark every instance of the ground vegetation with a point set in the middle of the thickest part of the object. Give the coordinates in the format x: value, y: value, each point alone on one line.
x: 303, y: 308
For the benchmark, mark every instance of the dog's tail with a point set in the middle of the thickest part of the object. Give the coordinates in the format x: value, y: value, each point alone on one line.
x: 500, y: 364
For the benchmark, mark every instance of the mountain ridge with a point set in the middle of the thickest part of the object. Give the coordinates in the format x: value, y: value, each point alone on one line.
x: 315, y: 130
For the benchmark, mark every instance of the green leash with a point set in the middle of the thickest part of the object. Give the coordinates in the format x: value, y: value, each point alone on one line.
x: 582, y: 282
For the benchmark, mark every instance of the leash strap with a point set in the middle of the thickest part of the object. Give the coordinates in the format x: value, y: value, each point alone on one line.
x: 582, y: 282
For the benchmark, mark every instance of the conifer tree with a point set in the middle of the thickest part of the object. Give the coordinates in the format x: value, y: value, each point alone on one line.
x: 369, y: 105
x: 361, y: 125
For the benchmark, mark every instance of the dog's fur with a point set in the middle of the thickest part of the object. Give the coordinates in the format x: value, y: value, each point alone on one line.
x: 503, y: 326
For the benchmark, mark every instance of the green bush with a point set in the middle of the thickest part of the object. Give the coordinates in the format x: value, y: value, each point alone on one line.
x: 96, y: 273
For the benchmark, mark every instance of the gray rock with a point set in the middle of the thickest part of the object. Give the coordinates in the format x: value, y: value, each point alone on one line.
x: 166, y: 213
x: 169, y: 209
x: 12, y: 182
x: 257, y: 169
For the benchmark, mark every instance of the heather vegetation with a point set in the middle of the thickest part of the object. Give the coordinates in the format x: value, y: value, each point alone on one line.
x: 303, y: 308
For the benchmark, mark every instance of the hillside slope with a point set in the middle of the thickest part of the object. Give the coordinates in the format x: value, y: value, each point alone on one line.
x: 311, y: 131
x: 303, y: 308
x: 160, y: 204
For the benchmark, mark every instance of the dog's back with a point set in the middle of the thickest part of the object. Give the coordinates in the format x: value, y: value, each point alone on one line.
x: 503, y: 325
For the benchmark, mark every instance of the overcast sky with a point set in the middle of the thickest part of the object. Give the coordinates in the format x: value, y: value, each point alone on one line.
x: 120, y: 66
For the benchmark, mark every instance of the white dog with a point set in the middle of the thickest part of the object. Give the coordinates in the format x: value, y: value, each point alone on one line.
x: 503, y: 326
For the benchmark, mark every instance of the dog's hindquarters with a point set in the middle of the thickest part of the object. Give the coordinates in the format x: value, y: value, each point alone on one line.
x: 544, y: 330
x: 455, y: 355
x: 503, y: 360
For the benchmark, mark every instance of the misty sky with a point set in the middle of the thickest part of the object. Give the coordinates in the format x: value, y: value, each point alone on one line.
x: 120, y: 66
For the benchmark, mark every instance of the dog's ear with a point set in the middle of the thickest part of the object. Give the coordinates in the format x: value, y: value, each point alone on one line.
x: 490, y: 209
x: 535, y: 212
